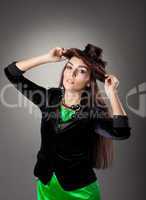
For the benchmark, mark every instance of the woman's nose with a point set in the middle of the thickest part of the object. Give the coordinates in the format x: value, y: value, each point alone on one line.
x: 74, y: 73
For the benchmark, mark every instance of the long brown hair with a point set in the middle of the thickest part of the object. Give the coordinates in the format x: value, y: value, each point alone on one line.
x: 102, y: 152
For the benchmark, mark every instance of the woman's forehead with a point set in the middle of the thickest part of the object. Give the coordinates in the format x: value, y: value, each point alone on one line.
x: 77, y: 62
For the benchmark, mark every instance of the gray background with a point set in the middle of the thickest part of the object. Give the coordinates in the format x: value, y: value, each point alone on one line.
x: 31, y: 28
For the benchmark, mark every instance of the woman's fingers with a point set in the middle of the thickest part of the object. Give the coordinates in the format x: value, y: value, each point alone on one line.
x: 61, y: 51
x: 111, y: 79
x: 64, y: 50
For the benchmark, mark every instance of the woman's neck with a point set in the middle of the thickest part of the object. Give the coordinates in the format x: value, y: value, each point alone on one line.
x: 72, y: 97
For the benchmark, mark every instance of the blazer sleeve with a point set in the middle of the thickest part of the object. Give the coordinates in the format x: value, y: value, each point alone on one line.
x: 33, y: 92
x: 116, y: 127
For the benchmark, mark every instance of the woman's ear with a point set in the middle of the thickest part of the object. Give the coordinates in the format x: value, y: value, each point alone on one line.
x: 88, y: 84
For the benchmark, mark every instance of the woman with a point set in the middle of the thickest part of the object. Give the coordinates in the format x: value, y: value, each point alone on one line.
x: 77, y: 128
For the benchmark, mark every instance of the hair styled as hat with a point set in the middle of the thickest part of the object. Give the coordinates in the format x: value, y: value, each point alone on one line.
x: 92, y: 56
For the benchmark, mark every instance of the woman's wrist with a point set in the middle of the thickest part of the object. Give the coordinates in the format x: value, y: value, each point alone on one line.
x: 116, y: 104
x: 46, y: 58
x: 112, y: 93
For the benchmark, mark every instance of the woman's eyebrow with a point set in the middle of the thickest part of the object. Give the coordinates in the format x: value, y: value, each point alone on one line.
x: 81, y: 66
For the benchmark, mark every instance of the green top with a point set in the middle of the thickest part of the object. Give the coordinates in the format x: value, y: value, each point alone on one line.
x: 66, y: 113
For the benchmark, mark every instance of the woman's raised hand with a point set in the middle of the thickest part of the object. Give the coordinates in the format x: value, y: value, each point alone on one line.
x: 56, y: 54
x: 111, y: 84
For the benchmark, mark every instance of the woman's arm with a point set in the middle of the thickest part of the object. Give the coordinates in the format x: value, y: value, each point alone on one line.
x: 15, y: 70
x: 111, y: 85
x: 116, y: 105
x: 32, y: 91
x: 27, y: 64
x: 116, y: 127
x: 54, y: 55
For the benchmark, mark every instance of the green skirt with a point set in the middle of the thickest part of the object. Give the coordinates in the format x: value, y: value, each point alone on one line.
x: 54, y: 191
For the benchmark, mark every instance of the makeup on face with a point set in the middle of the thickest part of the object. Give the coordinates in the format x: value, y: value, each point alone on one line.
x: 81, y: 69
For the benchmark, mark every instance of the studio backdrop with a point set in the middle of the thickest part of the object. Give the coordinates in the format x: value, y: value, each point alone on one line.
x: 31, y: 28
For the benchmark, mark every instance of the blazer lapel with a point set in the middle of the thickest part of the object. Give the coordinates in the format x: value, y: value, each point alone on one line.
x: 81, y: 115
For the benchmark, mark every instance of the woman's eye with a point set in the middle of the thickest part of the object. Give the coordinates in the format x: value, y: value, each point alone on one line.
x: 68, y: 67
x: 82, y: 71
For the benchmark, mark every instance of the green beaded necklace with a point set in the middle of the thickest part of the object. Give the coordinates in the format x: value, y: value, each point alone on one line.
x: 66, y: 111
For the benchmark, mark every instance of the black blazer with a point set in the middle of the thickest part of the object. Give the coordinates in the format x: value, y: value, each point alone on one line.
x: 65, y: 147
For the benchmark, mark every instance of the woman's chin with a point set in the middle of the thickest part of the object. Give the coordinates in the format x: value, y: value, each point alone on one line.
x: 69, y: 87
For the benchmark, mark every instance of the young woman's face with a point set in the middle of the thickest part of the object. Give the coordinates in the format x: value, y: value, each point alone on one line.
x: 76, y: 74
